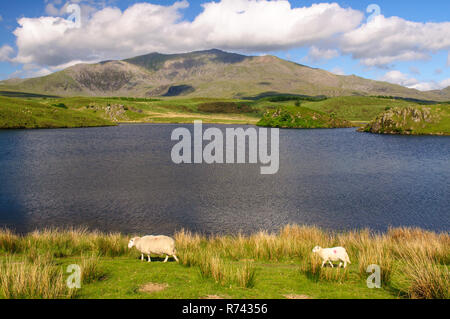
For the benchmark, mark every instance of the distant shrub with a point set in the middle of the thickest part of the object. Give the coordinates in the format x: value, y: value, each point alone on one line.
x: 60, y: 105
x: 225, y: 107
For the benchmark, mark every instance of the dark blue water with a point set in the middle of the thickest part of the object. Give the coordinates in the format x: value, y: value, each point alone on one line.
x: 122, y: 179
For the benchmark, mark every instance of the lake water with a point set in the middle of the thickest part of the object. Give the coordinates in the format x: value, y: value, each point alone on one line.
x: 122, y: 179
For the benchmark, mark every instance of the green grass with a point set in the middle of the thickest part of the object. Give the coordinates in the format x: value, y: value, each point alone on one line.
x: 22, y: 110
x: 23, y: 113
x: 355, y: 108
x: 125, y: 276
x: 415, y: 263
x: 301, y: 117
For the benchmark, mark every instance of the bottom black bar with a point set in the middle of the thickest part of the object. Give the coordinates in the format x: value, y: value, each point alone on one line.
x: 185, y: 309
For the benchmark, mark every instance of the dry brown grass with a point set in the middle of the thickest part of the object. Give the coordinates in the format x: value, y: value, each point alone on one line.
x: 9, y: 242
x: 426, y: 280
x: 150, y: 288
x: 297, y: 297
x: 213, y: 297
x: 21, y: 279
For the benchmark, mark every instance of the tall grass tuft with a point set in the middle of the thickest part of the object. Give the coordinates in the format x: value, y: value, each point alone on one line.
x: 227, y: 273
x: 91, y: 270
x: 9, y: 242
x: 111, y: 245
x: 432, y: 245
x: 245, y: 275
x: 65, y: 243
x: 376, y: 252
x: 215, y: 268
x: 427, y: 279
x: 20, y: 279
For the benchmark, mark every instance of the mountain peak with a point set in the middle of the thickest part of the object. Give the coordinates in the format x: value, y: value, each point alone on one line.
x: 209, y: 73
x: 155, y: 61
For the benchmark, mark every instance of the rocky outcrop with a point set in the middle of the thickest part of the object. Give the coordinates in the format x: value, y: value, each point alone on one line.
x: 407, y: 121
x: 113, y: 112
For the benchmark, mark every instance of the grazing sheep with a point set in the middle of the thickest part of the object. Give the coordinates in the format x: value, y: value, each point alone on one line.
x: 158, y: 245
x: 332, y: 254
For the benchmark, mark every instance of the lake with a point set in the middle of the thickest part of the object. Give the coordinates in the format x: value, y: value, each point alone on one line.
x: 122, y: 179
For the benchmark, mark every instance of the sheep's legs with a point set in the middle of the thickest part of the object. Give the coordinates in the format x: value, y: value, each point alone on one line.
x: 176, y: 259
x: 323, y: 264
x: 332, y: 266
x: 142, y: 257
x: 149, y: 259
x: 167, y: 258
x: 340, y: 265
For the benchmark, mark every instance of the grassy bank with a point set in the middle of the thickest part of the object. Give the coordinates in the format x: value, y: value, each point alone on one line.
x: 19, y: 113
x: 24, y: 110
x: 414, y: 264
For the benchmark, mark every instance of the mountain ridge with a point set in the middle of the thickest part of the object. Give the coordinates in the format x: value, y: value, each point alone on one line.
x: 209, y: 73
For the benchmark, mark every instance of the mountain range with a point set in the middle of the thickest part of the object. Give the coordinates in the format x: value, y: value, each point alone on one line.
x: 211, y: 73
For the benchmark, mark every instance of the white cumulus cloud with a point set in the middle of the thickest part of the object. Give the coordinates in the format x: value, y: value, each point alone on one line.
x: 6, y: 52
x: 386, y: 40
x: 316, y: 54
x: 397, y: 77
x: 327, y: 29
x: 239, y: 25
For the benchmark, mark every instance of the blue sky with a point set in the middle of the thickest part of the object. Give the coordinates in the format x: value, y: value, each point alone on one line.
x: 410, y: 50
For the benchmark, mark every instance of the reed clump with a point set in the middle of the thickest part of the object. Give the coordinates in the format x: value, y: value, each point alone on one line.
x: 91, y: 270
x: 40, y: 279
x: 377, y: 253
x: 9, y: 242
x: 425, y: 279
x: 65, y: 243
x: 227, y: 273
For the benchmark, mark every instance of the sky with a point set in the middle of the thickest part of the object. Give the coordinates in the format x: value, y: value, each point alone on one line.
x: 402, y: 42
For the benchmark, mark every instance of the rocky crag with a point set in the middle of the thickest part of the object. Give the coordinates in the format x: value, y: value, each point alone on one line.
x: 432, y: 120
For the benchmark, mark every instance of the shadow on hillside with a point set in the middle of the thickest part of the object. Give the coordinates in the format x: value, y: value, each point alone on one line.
x: 25, y: 95
x: 279, y: 97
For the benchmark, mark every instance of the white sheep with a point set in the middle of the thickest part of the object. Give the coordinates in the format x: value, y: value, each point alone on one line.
x: 332, y: 254
x: 157, y: 245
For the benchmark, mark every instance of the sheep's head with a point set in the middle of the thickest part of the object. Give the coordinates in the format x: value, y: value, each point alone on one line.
x: 317, y: 249
x: 131, y: 243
